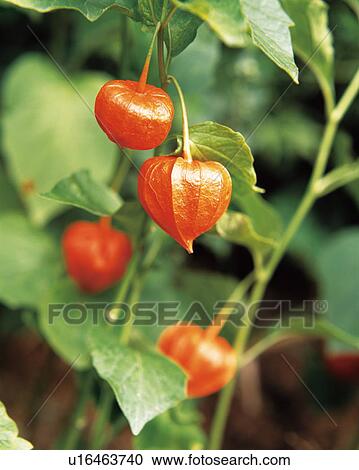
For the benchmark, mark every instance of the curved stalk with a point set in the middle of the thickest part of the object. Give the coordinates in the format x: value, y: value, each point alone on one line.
x: 143, y: 78
x: 186, y: 150
x: 221, y: 414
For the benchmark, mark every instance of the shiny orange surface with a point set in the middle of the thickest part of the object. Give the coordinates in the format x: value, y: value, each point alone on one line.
x: 131, y: 118
x: 96, y: 255
x: 210, y: 363
x: 184, y: 198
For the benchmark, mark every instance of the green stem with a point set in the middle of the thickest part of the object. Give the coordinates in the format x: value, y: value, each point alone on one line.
x: 169, y: 17
x: 186, y: 149
x: 161, y: 60
x: 135, y: 294
x: 123, y: 167
x: 143, y: 78
x: 124, y: 289
x: 221, y: 414
x: 104, y: 409
x: 78, y: 420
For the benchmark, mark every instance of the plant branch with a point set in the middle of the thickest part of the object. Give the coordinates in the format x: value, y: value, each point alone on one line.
x: 186, y: 150
x: 105, y: 406
x: 304, y: 207
x: 78, y: 420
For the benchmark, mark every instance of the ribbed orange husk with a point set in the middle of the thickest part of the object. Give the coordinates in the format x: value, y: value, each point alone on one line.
x: 184, y: 198
x: 210, y: 363
x: 131, y: 118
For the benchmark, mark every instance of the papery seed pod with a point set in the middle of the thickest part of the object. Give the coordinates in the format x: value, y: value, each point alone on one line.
x: 185, y: 198
x: 134, y: 117
x: 209, y: 361
x: 96, y: 255
x: 133, y: 114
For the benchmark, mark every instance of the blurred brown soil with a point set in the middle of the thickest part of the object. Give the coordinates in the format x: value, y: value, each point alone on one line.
x: 272, y: 409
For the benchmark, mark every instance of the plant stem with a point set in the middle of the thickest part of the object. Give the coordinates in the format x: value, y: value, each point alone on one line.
x: 169, y: 17
x: 160, y: 47
x: 76, y: 426
x: 237, y: 294
x: 124, y: 164
x: 186, y: 150
x: 304, y: 207
x: 161, y: 60
x: 124, y: 289
x: 106, y: 401
x: 143, y: 78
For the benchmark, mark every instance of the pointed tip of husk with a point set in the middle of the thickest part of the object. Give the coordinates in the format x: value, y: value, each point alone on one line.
x: 188, y: 245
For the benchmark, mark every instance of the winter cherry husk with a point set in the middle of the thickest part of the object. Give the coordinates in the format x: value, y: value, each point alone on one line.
x: 185, y: 198
x: 209, y: 361
x: 134, y: 114
x: 343, y: 366
x: 96, y: 255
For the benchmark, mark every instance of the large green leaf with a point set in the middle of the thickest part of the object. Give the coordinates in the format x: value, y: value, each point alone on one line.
x: 264, y: 217
x: 183, y: 30
x: 212, y: 141
x: 68, y: 320
x: 145, y: 383
x: 29, y: 261
x: 178, y: 429
x: 92, y: 9
x: 9, y: 439
x: 9, y: 200
x: 130, y: 218
x: 268, y: 23
x: 81, y: 190
x: 269, y: 26
x: 338, y: 265
x: 223, y: 16
x: 312, y: 39
x: 49, y: 130
x: 182, y: 27
x: 238, y: 228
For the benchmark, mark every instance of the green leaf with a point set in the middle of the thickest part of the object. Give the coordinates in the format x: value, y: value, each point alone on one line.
x: 338, y: 265
x: 179, y: 429
x: 223, y: 16
x: 68, y: 321
x: 9, y: 200
x: 205, y: 287
x: 312, y: 39
x: 81, y: 190
x: 182, y: 27
x: 268, y: 23
x: 212, y: 141
x: 63, y: 136
x: 337, y: 178
x: 145, y: 384
x: 269, y: 26
x: 238, y: 228
x: 264, y: 217
x: 183, y: 30
x: 92, y: 9
x: 29, y: 261
x: 9, y: 439
x: 130, y: 218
